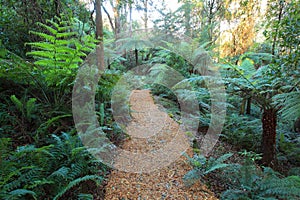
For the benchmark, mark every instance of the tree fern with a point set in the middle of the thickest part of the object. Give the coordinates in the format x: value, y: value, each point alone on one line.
x: 61, y: 51
x: 289, y: 104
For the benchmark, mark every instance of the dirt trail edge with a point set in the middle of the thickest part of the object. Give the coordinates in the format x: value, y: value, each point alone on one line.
x: 150, y: 130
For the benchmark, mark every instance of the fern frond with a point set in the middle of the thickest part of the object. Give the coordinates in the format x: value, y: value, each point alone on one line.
x: 21, y: 192
x: 30, y: 107
x: 289, y: 104
x: 48, y: 38
x: 192, y: 177
x: 49, y: 28
x: 85, y: 197
x: 60, y: 174
x: 17, y: 102
x: 77, y: 182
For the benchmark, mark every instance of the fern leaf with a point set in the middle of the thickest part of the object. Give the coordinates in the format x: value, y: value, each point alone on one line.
x: 21, y: 192
x: 49, y: 38
x: 85, y: 197
x: 41, y: 45
x: 77, y: 182
x: 30, y: 107
x: 289, y: 104
x: 223, y: 158
x: 17, y: 102
x: 49, y: 28
x: 61, y: 174
x: 248, y: 68
x: 65, y: 34
x: 192, y: 177
x: 215, y: 167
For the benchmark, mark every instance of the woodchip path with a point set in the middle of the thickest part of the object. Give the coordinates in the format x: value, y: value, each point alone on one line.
x: 150, y: 131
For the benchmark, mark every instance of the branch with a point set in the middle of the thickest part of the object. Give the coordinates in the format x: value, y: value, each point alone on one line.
x: 109, y: 18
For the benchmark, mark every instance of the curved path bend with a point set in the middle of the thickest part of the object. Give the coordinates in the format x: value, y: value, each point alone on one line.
x: 150, y: 131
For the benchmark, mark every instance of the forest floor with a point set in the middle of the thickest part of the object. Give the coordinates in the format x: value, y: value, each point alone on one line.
x: 150, y: 130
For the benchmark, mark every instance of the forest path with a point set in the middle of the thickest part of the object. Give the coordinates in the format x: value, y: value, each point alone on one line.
x: 150, y: 130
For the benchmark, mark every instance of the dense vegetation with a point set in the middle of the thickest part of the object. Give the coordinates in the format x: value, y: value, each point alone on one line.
x: 43, y: 45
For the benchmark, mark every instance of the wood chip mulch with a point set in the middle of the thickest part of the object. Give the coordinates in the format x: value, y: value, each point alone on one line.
x: 150, y: 131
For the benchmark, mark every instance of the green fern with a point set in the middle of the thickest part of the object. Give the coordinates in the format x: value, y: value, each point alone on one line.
x: 47, y: 171
x: 289, y: 104
x: 203, y: 166
x: 16, y: 194
x: 61, y: 51
x: 248, y: 182
x: 77, y: 182
x: 18, y: 103
x: 26, y: 108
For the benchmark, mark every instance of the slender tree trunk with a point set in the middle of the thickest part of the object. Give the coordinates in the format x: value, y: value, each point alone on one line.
x: 109, y: 18
x: 116, y: 10
x: 187, y: 16
x: 130, y: 18
x: 136, y: 57
x: 248, y: 109
x: 243, y: 105
x: 146, y: 14
x: 281, y: 6
x: 269, y: 119
x: 99, y: 35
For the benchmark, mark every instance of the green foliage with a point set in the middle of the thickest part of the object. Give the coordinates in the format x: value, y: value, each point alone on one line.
x: 14, y: 32
x: 243, y: 132
x: 47, y: 171
x: 289, y: 104
x: 203, y: 166
x: 61, y: 51
x: 27, y: 108
x: 268, y: 184
x: 247, y: 181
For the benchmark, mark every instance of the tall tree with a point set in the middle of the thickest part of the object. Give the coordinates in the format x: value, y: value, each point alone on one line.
x: 283, y: 33
x: 279, y: 78
x: 99, y: 35
x: 241, y: 17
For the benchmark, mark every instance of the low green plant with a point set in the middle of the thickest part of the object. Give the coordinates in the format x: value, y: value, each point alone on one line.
x: 203, y: 166
x: 247, y: 181
x: 50, y: 171
x: 25, y: 107
x: 243, y: 131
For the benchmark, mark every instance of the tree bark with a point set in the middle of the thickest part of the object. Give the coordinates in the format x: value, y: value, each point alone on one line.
x: 99, y: 36
x: 116, y: 10
x: 248, y: 109
x: 146, y: 14
x: 109, y: 18
x: 136, y: 57
x: 269, y: 122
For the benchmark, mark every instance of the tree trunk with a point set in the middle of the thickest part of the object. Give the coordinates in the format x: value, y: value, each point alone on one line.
x: 116, y: 10
x: 243, y: 105
x: 248, y: 109
x: 187, y: 18
x: 99, y: 36
x: 269, y: 137
x: 136, y: 57
x: 109, y: 18
x: 146, y: 14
